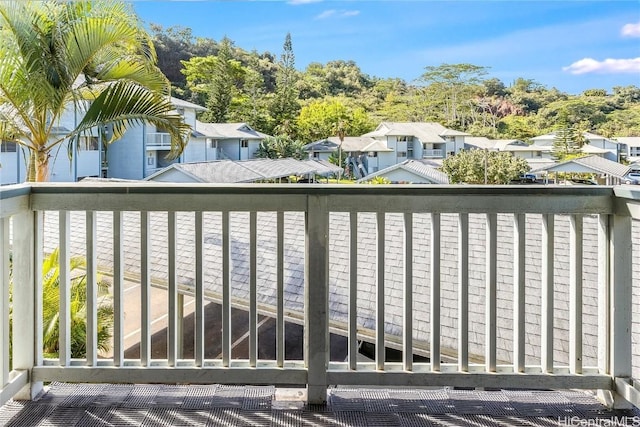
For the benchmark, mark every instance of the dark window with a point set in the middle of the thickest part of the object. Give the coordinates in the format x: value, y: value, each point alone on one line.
x: 244, y: 143
x: 8, y: 147
x: 88, y: 143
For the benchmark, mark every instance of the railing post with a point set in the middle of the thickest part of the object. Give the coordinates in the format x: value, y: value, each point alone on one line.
x: 316, y: 331
x: 27, y: 266
x: 620, y: 261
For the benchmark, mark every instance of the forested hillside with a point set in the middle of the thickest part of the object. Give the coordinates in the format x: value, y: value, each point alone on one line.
x: 267, y: 91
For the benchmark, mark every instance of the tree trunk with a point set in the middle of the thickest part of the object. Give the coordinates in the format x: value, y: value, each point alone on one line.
x: 38, y: 168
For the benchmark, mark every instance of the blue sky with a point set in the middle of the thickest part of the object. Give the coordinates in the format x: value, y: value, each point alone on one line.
x: 571, y: 45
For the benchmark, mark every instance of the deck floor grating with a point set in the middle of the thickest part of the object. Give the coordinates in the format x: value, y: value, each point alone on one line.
x: 85, y: 405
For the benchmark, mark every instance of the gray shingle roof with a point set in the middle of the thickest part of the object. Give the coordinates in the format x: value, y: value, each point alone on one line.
x: 294, y: 242
x: 416, y: 167
x: 230, y: 171
x: 630, y: 141
x: 426, y: 132
x: 596, y: 163
x: 349, y: 144
x: 229, y: 130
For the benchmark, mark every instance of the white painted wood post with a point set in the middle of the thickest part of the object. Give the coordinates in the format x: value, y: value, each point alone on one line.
x: 575, y: 294
x: 380, y: 285
x: 491, y: 292
x: 546, y: 300
x: 4, y: 303
x: 316, y: 331
x: 463, y: 292
x: 27, y: 290
x: 64, y: 317
x: 620, y: 301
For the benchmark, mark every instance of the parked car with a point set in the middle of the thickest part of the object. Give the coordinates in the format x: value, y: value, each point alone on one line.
x: 631, y: 178
x: 528, y: 177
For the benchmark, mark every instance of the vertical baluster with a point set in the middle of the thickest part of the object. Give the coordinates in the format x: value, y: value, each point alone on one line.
x: 519, y: 246
x: 621, y: 300
x: 172, y: 309
x: 603, y: 293
x: 407, y: 350
x: 490, y: 294
x: 27, y: 296
x: 253, y: 293
x: 435, y: 292
x: 199, y: 313
x: 546, y: 300
x: 145, y: 291
x: 280, y: 289
x: 118, y: 290
x: 64, y: 289
x: 226, y: 290
x: 4, y: 303
x: 463, y: 292
x: 92, y: 290
x: 575, y: 295
x: 316, y: 275
x: 353, y: 290
x: 380, y: 345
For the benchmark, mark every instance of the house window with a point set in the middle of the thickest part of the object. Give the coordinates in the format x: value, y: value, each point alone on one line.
x: 181, y: 111
x: 88, y: 143
x: 402, y: 154
x: 8, y: 147
x: 410, y: 151
x: 213, y: 143
x: 373, y: 154
x: 244, y: 143
x: 404, y: 138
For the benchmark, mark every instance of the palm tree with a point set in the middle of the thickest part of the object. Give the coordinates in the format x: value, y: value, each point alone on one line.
x: 90, y: 55
x: 78, y: 307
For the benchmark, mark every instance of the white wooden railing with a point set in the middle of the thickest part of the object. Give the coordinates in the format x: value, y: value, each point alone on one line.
x: 430, y: 154
x: 158, y: 139
x: 478, y: 279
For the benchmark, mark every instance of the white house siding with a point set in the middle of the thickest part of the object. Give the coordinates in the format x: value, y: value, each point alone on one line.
x: 126, y: 156
x: 12, y: 168
x: 199, y: 150
x: 385, y: 159
x: 366, y: 305
x: 88, y: 163
x: 253, y: 148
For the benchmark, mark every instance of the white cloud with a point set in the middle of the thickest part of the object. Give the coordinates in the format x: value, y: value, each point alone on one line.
x: 326, y: 14
x: 631, y: 30
x: 608, y: 66
x: 338, y: 14
x: 298, y: 2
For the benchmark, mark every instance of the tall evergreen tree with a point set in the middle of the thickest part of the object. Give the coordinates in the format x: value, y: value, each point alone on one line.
x: 285, y: 102
x: 222, y: 86
x: 566, y: 141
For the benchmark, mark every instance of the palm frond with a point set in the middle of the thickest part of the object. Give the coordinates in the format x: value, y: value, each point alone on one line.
x: 124, y: 104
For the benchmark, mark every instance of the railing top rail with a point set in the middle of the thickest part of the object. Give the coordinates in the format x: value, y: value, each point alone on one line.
x: 13, y: 199
x: 293, y: 197
x: 627, y: 201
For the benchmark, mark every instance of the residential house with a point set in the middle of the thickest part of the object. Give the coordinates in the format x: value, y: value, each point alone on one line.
x: 630, y: 150
x: 143, y: 149
x: 410, y: 172
x: 223, y: 141
x: 364, y: 154
x: 69, y: 161
x: 594, y: 145
x: 516, y: 147
x: 419, y: 140
x: 392, y: 143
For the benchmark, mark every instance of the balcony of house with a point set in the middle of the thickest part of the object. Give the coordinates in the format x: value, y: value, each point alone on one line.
x: 158, y: 140
x: 430, y: 292
x: 433, y: 154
